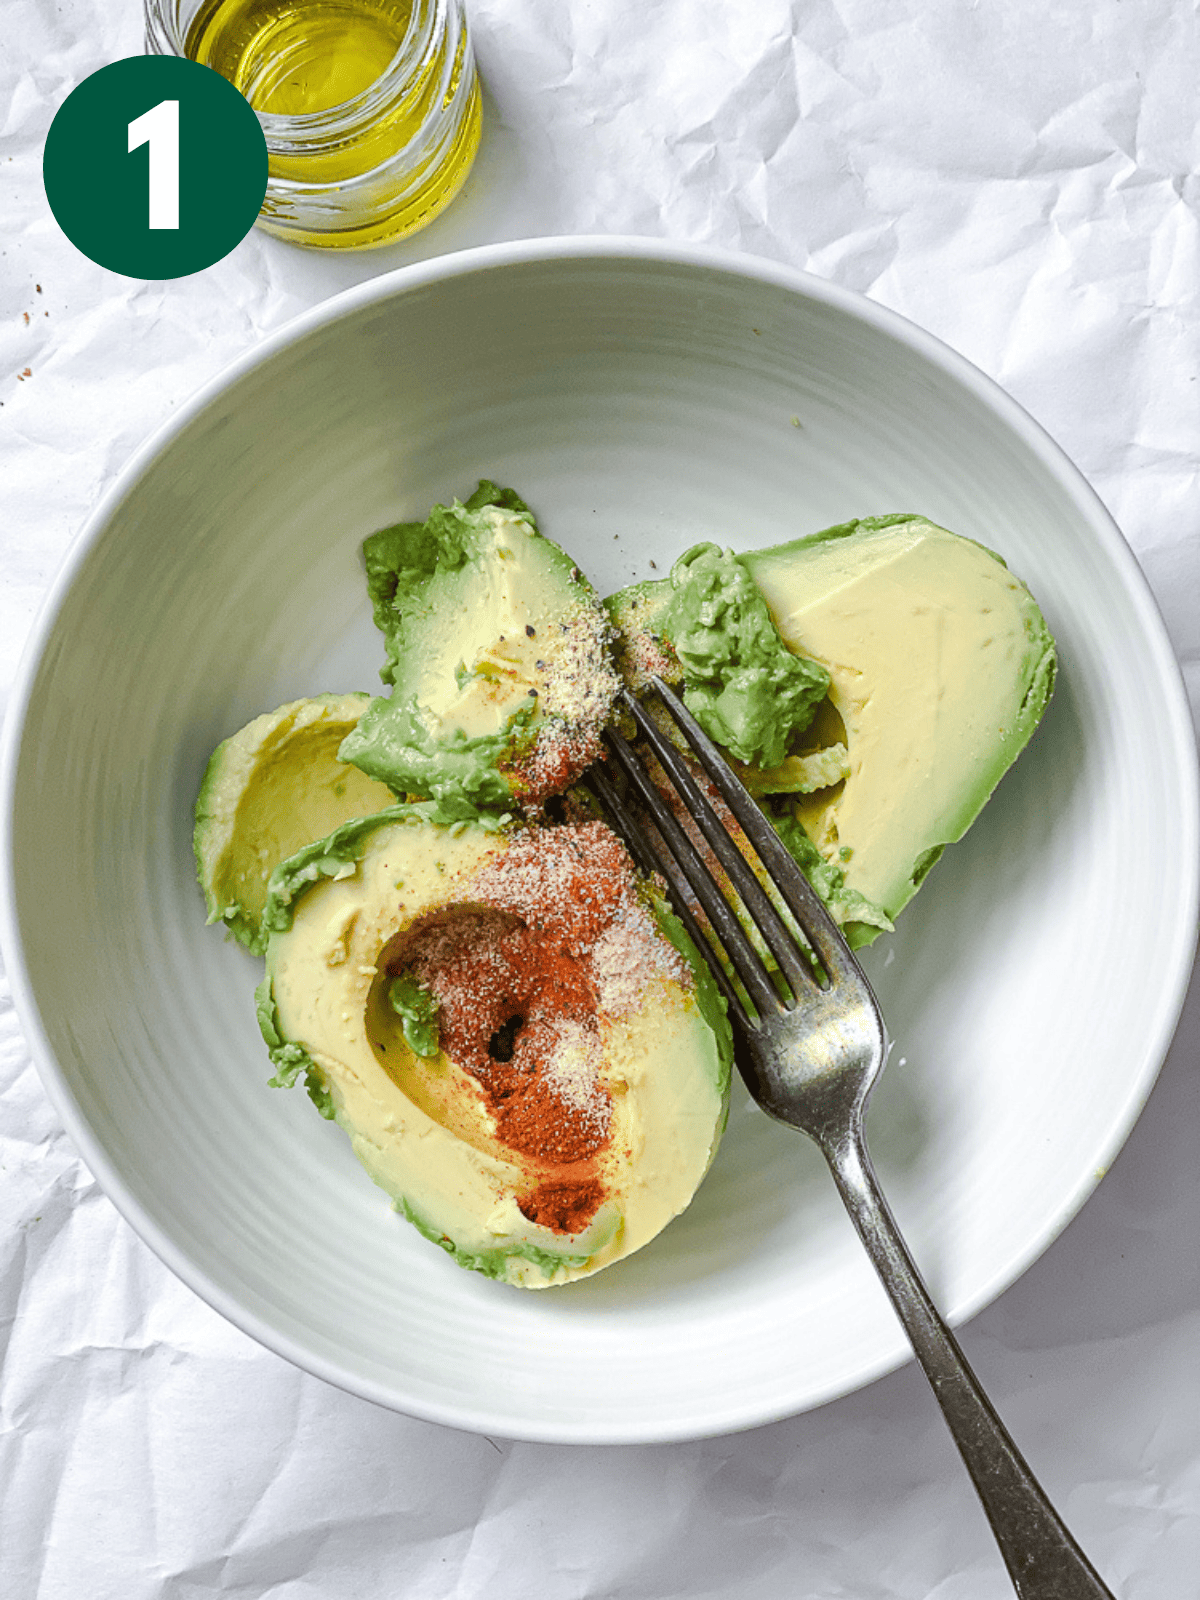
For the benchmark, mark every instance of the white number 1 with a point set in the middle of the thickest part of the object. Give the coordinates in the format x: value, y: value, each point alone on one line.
x: 159, y: 128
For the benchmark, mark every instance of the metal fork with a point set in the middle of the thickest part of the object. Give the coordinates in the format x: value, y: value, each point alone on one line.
x: 810, y: 1060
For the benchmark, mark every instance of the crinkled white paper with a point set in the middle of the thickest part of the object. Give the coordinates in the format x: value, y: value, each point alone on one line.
x: 1021, y: 180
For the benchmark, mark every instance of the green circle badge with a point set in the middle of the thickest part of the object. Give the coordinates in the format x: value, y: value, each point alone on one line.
x: 155, y: 167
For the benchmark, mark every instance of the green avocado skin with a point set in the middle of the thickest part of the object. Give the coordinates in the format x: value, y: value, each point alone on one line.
x: 289, y: 1059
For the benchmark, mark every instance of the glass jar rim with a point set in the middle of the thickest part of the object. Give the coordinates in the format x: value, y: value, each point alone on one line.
x: 164, y: 37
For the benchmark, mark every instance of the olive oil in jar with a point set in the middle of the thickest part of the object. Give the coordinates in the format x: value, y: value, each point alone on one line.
x: 290, y: 57
x: 371, y: 108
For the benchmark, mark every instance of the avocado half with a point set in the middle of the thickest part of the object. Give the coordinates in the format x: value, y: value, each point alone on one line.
x: 498, y: 653
x: 410, y: 961
x: 938, y: 665
x: 267, y: 790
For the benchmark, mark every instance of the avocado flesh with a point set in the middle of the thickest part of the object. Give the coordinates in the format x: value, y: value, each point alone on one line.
x: 267, y: 790
x: 707, y: 628
x: 741, y: 683
x: 940, y: 666
x: 498, y: 657
x: 418, y: 1123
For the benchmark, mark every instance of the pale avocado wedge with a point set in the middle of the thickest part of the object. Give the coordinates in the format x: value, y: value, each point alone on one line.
x: 498, y: 654
x: 268, y: 789
x: 939, y: 665
x: 471, y: 931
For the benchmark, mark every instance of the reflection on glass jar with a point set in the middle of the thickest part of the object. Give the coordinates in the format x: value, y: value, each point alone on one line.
x: 370, y: 108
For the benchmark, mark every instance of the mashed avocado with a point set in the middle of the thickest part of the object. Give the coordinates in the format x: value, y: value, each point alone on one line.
x: 566, y: 1085
x: 746, y: 689
x: 498, y: 657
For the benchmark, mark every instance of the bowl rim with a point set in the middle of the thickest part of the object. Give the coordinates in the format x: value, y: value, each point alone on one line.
x: 516, y: 254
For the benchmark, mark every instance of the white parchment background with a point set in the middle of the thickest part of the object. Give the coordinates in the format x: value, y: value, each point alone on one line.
x: 1017, y: 176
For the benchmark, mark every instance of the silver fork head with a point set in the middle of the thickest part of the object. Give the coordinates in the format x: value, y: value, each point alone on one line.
x: 811, y: 1037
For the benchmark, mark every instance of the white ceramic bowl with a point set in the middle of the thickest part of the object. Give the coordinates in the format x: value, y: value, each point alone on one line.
x: 641, y: 397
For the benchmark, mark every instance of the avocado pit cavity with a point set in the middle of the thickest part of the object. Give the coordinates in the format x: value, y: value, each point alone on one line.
x: 548, y: 946
x: 516, y: 1009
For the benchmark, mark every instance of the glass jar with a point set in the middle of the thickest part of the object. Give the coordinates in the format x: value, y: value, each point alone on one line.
x: 371, y: 108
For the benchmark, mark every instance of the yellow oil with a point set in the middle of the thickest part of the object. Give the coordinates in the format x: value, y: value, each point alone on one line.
x: 293, y: 57
x: 289, y: 57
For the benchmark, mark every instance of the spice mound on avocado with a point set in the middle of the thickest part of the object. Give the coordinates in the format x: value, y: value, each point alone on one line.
x: 467, y: 972
x: 508, y: 1022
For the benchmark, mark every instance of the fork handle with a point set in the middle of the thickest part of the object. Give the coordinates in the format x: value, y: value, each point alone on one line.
x: 1042, y: 1558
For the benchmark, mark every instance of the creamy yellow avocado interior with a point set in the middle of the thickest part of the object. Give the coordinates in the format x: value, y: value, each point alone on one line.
x: 940, y: 665
x: 497, y: 656
x: 269, y: 789
x: 651, y: 1064
x: 936, y: 666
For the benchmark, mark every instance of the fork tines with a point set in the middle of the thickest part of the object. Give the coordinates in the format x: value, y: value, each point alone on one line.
x: 682, y: 864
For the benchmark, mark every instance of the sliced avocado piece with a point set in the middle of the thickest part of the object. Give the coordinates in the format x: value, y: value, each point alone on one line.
x: 707, y: 626
x: 270, y: 788
x: 497, y: 653
x: 549, y: 967
x: 706, y: 629
x: 940, y: 666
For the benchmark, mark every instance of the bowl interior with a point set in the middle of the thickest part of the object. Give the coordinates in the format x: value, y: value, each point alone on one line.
x: 640, y: 402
